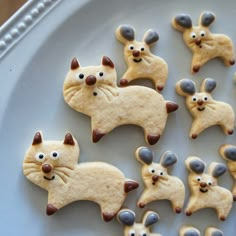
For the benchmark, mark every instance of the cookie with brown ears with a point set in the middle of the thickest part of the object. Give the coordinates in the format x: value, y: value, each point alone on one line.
x: 204, y: 188
x: 52, y: 165
x: 204, y: 44
x: 142, y: 63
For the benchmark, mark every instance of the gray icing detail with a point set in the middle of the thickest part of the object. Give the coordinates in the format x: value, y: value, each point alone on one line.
x: 151, y: 37
x: 191, y: 232
x: 207, y: 18
x: 197, y: 166
x: 230, y: 153
x: 219, y: 170
x: 210, y: 85
x: 146, y: 155
x: 152, y: 218
x: 169, y: 159
x: 187, y: 86
x: 127, y: 32
x: 217, y: 233
x: 126, y: 217
x: 184, y: 20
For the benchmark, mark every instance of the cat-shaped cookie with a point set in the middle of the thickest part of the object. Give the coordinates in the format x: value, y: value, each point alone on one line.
x: 52, y: 165
x: 93, y: 91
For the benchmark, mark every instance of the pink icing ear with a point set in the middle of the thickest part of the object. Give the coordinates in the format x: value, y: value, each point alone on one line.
x: 37, y: 139
x: 74, y: 64
x: 69, y: 140
x: 106, y: 61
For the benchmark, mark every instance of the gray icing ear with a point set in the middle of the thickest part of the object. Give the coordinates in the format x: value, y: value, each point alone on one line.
x: 191, y: 232
x: 208, y: 85
x: 168, y: 159
x: 187, y: 86
x: 145, y: 155
x: 217, y: 233
x: 207, y: 18
x: 151, y: 219
x: 127, y: 32
x: 219, y: 170
x: 184, y: 21
x: 197, y: 166
x: 230, y: 153
x: 151, y: 37
x: 127, y: 217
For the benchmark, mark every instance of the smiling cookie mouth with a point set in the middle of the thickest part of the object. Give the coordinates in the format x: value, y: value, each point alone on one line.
x: 201, y: 108
x: 203, y: 190
x: 137, y: 60
x: 53, y: 177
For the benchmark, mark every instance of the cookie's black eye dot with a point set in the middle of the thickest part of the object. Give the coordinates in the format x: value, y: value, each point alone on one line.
x: 194, y: 99
x: 142, y: 48
x: 198, y: 179
x: 205, y: 98
x: 95, y: 94
x: 54, y: 154
x: 81, y: 76
x: 133, y: 234
x: 41, y: 156
x: 131, y: 47
x: 153, y: 171
x: 100, y: 73
x: 161, y: 173
x: 144, y: 234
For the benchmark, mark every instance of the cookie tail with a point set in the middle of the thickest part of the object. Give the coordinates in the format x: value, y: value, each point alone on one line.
x: 171, y: 106
x: 130, y: 185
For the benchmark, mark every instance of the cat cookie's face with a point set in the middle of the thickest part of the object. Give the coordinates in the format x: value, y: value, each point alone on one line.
x: 50, y: 161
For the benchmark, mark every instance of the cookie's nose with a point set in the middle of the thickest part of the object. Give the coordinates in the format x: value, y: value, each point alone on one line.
x: 203, y: 184
x: 91, y: 80
x: 136, y: 53
x: 155, y: 178
x: 198, y: 41
x: 46, y: 168
x: 200, y: 102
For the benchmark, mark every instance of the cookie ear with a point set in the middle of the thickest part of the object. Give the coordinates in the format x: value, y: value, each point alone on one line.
x: 206, y: 18
x: 211, y: 231
x: 168, y: 159
x: 195, y: 165
x: 106, y: 61
x: 228, y: 152
x: 217, y: 169
x: 150, y: 218
x: 150, y: 37
x: 126, y: 217
x: 68, y: 140
x: 185, y: 87
x: 208, y: 85
x: 182, y: 22
x: 144, y: 155
x: 74, y: 64
x: 125, y: 34
x: 38, y: 138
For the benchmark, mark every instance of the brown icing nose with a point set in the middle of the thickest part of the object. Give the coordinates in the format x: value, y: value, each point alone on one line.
x: 198, y: 41
x: 200, y: 102
x: 91, y: 80
x: 155, y: 178
x: 203, y: 184
x: 46, y: 168
x: 136, y: 53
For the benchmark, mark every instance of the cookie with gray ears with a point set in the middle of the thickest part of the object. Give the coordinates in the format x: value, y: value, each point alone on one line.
x: 189, y: 231
x: 212, y: 231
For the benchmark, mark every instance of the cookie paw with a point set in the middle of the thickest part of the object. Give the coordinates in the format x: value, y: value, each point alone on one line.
x: 153, y: 139
x: 232, y: 62
x: 97, y: 135
x: 196, y: 69
x: 123, y: 82
x: 160, y: 88
x: 194, y: 136
x: 51, y: 209
x: 107, y: 216
x: 230, y: 132
x: 178, y: 210
x: 222, y: 218
x: 141, y: 205
x: 188, y: 213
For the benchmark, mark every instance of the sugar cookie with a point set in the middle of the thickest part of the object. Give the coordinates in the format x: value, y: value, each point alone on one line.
x: 192, y: 231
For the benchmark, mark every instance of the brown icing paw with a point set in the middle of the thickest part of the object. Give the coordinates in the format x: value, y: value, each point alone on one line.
x: 230, y: 132
x: 234, y: 197
x: 97, y: 135
x: 130, y: 185
x: 153, y: 139
x: 232, y: 62
x: 196, y: 69
x: 171, y: 106
x: 188, y: 213
x: 194, y: 136
x: 107, y: 217
x: 160, y: 88
x: 178, y: 210
x: 123, y: 82
x: 51, y: 209
x: 222, y: 218
x: 141, y: 205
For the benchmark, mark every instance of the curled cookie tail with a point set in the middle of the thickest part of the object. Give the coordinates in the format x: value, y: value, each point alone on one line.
x: 130, y: 185
x: 171, y: 106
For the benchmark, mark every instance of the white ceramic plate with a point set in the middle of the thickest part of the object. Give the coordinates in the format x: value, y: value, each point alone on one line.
x: 36, y: 47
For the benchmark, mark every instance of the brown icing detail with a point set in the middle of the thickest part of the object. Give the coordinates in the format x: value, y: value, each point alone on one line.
x: 46, y: 168
x: 160, y: 88
x: 178, y: 210
x: 141, y: 205
x: 234, y: 197
x: 91, y: 80
x: 123, y: 82
x: 106, y: 61
x: 171, y: 106
x: 74, y: 64
x: 51, y: 209
x: 232, y: 62
x: 153, y: 139
x: 196, y: 69
x: 37, y: 139
x: 200, y: 102
x: 188, y: 213
x: 203, y: 184
x: 155, y: 178
x: 136, y: 53
x: 130, y: 185
x: 107, y: 217
x: 222, y: 218
x: 230, y: 132
x: 69, y: 140
x: 97, y: 135
x: 198, y: 42
x: 194, y: 136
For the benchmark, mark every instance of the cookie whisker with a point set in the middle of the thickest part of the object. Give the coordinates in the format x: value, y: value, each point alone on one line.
x: 61, y: 175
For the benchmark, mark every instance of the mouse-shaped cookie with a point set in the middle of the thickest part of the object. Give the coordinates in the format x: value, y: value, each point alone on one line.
x: 53, y: 166
x: 93, y: 91
x: 205, y: 192
x: 132, y: 228
x: 204, y: 44
x: 192, y: 231
x: 204, y: 109
x: 142, y: 63
x: 228, y: 152
x: 159, y: 185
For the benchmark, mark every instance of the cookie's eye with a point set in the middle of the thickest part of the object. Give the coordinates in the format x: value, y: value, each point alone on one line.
x: 202, y: 33
x: 101, y: 74
x: 161, y: 173
x: 40, y: 157
x: 131, y: 47
x: 151, y: 170
x: 205, y: 98
x: 199, y: 178
x: 193, y: 35
x: 81, y: 76
x: 54, y: 155
x: 143, y: 233
x: 194, y: 99
x: 209, y: 182
x: 131, y: 232
x: 142, y: 48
